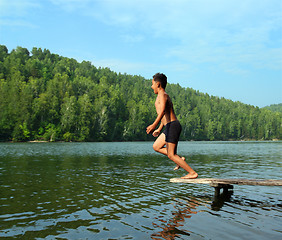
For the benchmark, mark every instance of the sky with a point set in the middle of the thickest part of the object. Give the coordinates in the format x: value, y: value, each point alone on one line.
x: 226, y: 48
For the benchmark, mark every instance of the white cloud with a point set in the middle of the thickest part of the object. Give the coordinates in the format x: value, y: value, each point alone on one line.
x: 229, y: 33
x: 16, y: 7
x: 146, y: 68
x: 121, y: 65
x: 17, y: 23
x: 13, y: 12
x: 72, y: 5
x: 129, y: 38
x: 207, y: 31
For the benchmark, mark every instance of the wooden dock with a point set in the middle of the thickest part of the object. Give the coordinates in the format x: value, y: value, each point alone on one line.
x: 227, y: 184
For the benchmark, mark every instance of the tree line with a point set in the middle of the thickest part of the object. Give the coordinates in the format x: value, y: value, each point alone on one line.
x: 44, y: 96
x: 275, y: 107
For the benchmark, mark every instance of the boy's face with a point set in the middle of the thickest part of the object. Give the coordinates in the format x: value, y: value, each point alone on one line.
x: 155, y: 86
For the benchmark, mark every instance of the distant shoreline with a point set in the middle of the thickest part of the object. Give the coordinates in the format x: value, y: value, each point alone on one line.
x: 229, y: 140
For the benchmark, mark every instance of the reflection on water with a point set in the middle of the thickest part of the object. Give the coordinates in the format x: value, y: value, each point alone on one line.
x: 180, y: 224
x: 122, y: 191
x: 184, y: 209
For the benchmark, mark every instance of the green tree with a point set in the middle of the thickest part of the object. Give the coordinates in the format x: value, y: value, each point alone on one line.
x: 69, y: 115
x: 49, y: 97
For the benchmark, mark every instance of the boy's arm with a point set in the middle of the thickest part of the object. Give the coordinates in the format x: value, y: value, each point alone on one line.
x: 158, y: 131
x: 160, y: 127
x: 161, y: 113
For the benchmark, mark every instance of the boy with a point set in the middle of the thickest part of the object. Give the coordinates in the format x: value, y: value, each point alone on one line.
x: 167, y: 118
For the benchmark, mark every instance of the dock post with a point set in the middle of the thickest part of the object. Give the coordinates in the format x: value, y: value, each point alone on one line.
x: 218, y: 186
x: 226, y: 188
x: 216, y: 191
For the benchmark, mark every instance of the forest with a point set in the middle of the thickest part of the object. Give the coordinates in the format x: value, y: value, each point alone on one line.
x: 275, y: 107
x: 47, y: 97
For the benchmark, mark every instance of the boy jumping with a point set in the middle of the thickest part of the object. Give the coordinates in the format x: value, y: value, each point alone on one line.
x: 167, y: 118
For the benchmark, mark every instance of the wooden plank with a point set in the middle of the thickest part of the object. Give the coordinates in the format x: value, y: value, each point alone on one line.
x: 239, y: 181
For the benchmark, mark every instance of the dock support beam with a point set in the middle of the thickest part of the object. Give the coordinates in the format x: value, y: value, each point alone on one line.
x: 218, y: 186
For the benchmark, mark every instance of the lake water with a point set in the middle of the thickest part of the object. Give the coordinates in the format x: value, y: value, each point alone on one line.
x: 122, y: 191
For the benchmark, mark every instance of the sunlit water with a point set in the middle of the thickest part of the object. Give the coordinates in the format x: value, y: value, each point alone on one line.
x: 122, y: 191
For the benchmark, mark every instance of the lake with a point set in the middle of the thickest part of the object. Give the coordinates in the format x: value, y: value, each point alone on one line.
x: 122, y: 191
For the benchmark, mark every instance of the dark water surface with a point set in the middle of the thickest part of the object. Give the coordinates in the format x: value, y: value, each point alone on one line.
x: 122, y: 191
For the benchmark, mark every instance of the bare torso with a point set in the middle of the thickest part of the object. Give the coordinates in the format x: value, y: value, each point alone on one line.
x: 169, y: 115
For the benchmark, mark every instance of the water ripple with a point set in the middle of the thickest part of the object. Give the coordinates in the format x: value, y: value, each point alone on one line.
x: 84, y: 191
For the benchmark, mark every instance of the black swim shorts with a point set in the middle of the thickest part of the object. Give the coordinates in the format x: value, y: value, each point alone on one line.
x: 172, y: 131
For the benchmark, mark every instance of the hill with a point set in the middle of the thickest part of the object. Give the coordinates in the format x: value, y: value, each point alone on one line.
x: 44, y: 96
x: 275, y: 107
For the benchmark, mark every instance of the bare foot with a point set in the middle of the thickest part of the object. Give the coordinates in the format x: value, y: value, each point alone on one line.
x: 190, y: 176
x: 177, y: 166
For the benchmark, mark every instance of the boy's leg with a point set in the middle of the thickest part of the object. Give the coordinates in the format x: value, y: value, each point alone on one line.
x: 171, y: 153
x: 158, y: 145
x: 183, y: 158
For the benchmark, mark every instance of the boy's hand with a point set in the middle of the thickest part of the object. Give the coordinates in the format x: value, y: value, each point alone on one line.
x: 150, y: 129
x: 156, y: 133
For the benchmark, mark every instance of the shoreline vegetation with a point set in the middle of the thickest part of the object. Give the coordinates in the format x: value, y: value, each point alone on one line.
x: 228, y: 140
x: 45, y: 97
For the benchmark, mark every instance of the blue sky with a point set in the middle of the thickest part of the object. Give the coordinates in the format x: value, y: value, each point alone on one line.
x: 226, y: 48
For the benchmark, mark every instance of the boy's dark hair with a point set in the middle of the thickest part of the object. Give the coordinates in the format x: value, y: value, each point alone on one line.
x: 161, y: 78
